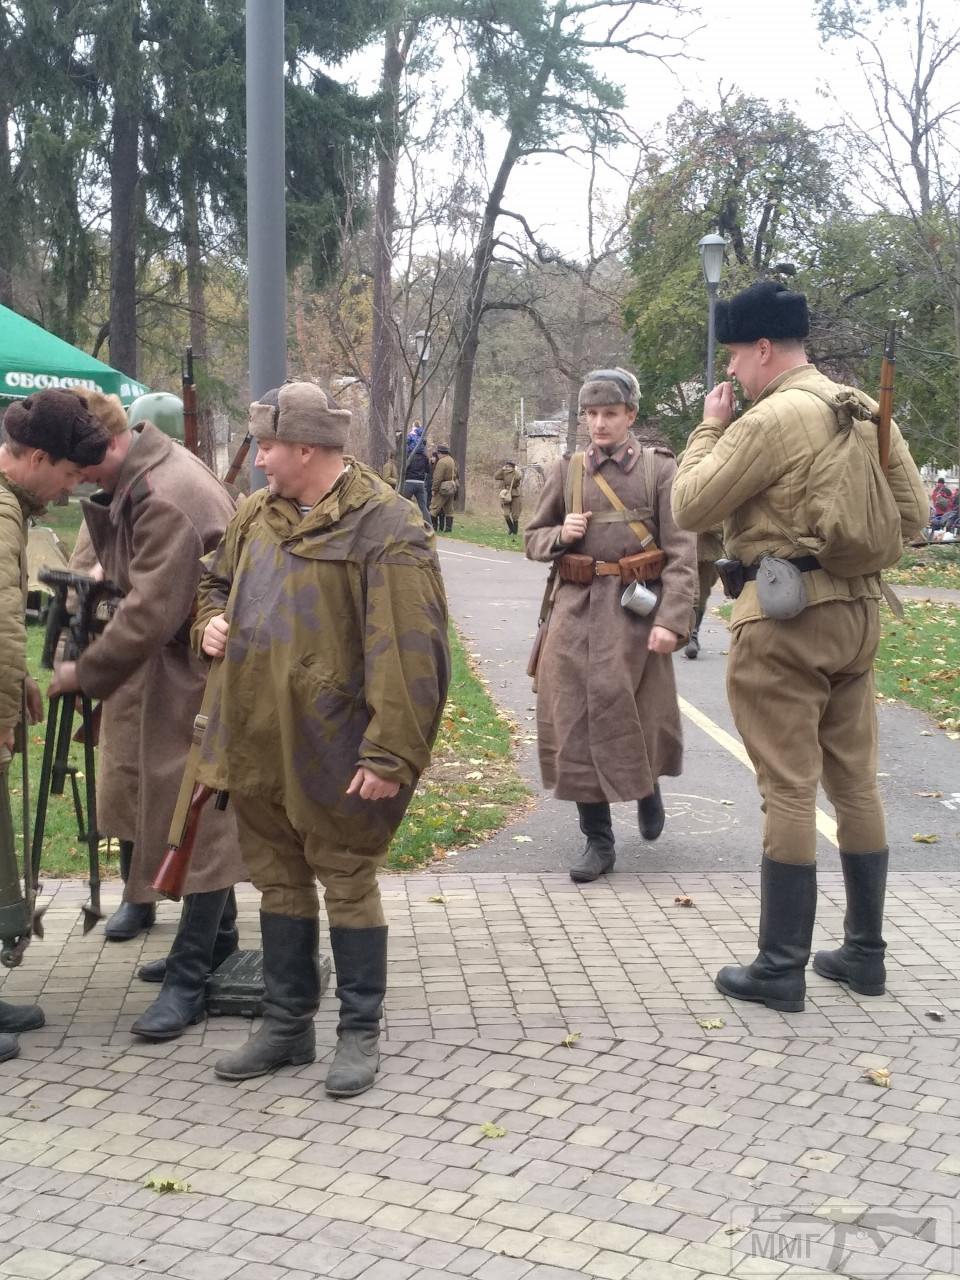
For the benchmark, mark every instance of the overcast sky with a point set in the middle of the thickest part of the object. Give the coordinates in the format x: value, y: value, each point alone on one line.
x: 766, y: 48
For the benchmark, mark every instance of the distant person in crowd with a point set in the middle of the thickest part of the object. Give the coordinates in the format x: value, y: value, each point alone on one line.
x: 510, y: 478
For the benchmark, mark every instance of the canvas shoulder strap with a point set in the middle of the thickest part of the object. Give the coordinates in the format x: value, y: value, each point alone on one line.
x: 573, y: 488
x: 647, y: 540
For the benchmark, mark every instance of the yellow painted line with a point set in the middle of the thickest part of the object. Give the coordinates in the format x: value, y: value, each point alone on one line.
x: 825, y: 824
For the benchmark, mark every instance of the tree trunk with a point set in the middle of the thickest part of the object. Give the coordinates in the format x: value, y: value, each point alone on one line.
x: 384, y: 364
x: 124, y: 178
x: 523, y: 119
x: 197, y: 299
x: 576, y: 365
x: 467, y: 355
x: 8, y: 219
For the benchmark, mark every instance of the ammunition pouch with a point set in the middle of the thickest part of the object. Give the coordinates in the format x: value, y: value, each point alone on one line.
x: 645, y: 566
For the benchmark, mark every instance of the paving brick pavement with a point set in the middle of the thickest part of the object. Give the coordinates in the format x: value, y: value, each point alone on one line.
x: 637, y: 1144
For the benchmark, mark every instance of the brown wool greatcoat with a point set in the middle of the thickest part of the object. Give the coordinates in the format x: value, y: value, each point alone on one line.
x: 608, y: 724
x: 118, y: 773
x: 167, y: 511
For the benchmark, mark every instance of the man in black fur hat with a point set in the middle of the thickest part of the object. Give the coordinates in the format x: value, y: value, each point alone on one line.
x: 800, y: 674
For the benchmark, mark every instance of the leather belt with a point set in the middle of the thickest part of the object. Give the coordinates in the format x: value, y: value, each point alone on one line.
x: 806, y: 564
x: 602, y: 567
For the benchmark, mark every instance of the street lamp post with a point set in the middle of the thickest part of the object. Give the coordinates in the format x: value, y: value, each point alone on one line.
x: 422, y: 339
x: 711, y: 260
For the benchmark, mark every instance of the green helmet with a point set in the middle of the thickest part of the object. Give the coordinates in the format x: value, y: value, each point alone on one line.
x: 162, y: 409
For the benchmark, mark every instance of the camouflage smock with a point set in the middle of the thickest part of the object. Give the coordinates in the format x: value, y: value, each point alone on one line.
x: 337, y: 655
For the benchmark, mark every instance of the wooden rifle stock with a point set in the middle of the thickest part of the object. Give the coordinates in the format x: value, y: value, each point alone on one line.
x: 172, y: 875
x: 888, y: 369
x: 239, y: 459
x: 193, y: 795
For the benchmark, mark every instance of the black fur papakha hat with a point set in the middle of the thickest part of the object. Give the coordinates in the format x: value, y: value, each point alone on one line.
x: 767, y: 309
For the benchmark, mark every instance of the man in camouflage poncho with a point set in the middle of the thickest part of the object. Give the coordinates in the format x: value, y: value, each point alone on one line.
x: 326, y: 604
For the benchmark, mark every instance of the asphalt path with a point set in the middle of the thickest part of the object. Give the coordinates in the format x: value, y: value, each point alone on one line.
x: 713, y: 809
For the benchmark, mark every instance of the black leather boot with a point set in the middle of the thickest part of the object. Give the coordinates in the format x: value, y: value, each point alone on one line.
x: 599, y: 855
x: 788, y: 905
x: 9, y: 1047
x: 650, y: 814
x: 449, y: 524
x: 182, y: 1001
x: 226, y: 943
x: 360, y: 959
x: 858, y: 963
x: 291, y: 980
x: 131, y: 918
x: 693, y: 644
x: 15, y: 1018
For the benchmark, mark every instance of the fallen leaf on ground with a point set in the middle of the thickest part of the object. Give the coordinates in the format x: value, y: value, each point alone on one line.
x: 936, y: 1015
x: 436, y: 897
x: 727, y: 802
x: 683, y: 900
x: 472, y: 777
x: 920, y: 838
x: 523, y: 839
x: 930, y: 795
x: 570, y: 1039
x: 491, y: 1130
x: 166, y: 1186
x: 878, y: 1076
x: 711, y: 1024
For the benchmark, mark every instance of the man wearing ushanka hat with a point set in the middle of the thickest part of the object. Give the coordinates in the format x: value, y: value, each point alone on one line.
x: 803, y: 637
x: 325, y: 603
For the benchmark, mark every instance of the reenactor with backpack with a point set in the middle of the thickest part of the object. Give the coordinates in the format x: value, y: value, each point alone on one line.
x: 806, y: 552
x: 622, y: 584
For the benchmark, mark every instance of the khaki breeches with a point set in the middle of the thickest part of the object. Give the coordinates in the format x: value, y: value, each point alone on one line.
x: 802, y: 697
x: 511, y: 508
x: 285, y: 865
x: 708, y: 574
x: 440, y: 506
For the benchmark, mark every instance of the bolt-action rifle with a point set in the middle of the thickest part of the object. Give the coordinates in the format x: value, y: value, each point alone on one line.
x: 193, y: 795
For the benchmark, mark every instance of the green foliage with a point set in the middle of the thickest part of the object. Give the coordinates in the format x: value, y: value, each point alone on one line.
x: 758, y: 176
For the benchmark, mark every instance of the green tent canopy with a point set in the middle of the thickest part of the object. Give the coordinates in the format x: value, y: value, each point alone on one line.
x: 31, y: 359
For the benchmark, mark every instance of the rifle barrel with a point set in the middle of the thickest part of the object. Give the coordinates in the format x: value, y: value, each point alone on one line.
x: 888, y: 369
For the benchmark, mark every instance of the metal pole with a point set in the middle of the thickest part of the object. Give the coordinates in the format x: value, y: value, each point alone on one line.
x: 266, y: 201
x: 711, y: 335
x: 423, y: 396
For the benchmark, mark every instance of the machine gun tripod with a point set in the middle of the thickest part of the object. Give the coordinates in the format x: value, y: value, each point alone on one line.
x: 78, y: 627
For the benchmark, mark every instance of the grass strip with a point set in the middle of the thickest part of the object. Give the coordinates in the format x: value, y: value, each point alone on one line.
x: 918, y: 659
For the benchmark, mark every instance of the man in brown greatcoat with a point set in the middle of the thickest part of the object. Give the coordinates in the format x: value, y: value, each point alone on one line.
x: 608, y: 723
x: 159, y: 510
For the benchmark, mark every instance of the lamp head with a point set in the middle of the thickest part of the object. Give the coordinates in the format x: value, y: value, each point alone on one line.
x: 711, y: 258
